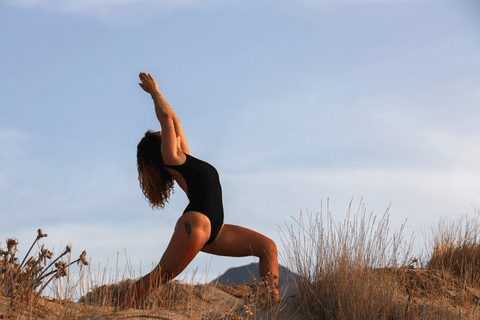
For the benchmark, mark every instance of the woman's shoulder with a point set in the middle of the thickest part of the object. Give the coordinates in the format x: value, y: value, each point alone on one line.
x: 181, y: 159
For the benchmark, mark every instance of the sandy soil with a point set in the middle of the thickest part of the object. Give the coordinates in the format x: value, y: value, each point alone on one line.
x: 177, y: 301
x: 190, y: 302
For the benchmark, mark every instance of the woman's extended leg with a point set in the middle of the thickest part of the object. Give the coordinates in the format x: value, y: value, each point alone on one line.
x: 236, y: 241
x: 191, y: 233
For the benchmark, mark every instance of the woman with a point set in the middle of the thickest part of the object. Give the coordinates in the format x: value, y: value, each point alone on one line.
x: 164, y: 157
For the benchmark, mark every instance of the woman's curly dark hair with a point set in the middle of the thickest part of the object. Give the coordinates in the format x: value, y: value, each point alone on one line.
x: 155, y: 181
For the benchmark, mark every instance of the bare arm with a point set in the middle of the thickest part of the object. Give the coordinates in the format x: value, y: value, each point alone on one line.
x: 179, y: 131
x: 171, y: 128
x: 160, y: 105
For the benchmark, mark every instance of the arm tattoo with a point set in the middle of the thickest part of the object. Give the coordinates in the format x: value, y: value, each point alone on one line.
x: 188, y: 228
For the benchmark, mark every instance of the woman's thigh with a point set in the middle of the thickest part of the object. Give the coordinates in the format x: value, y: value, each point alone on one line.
x: 191, y: 233
x: 236, y: 241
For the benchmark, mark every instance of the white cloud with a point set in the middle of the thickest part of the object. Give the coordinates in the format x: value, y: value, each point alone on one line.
x: 463, y: 151
x: 376, y: 129
x: 122, y: 11
x: 315, y: 3
x: 418, y: 197
x: 102, y: 6
x: 431, y: 140
x: 105, y: 8
x: 12, y: 143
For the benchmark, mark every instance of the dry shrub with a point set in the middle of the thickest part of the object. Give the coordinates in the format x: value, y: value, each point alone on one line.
x: 354, y: 269
x: 455, y: 248
x: 260, y: 296
x: 258, y: 301
x: 25, y: 281
x: 343, y: 266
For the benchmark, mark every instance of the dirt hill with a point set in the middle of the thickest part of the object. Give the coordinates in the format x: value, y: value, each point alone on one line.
x: 420, y: 291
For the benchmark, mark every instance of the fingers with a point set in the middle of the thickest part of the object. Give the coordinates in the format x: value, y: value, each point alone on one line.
x: 146, y: 76
x: 143, y: 76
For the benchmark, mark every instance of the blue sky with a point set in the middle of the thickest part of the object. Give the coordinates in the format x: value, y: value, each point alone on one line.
x: 294, y: 102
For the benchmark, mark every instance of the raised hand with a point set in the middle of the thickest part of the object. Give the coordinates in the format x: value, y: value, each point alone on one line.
x: 148, y: 84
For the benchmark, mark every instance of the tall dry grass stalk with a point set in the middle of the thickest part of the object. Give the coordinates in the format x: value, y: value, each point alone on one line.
x: 344, y: 266
x: 454, y: 247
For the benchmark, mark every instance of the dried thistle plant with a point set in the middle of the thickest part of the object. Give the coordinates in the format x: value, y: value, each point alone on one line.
x: 262, y: 293
x: 230, y: 316
x: 27, y: 280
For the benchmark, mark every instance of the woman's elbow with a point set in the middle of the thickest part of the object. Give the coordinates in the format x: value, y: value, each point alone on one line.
x: 164, y: 117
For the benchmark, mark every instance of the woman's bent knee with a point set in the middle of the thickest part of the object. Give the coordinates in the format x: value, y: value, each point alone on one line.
x: 269, y: 249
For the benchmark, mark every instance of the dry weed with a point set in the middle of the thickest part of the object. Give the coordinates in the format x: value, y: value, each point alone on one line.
x: 340, y: 266
x: 455, y: 248
x: 25, y: 281
x: 352, y: 269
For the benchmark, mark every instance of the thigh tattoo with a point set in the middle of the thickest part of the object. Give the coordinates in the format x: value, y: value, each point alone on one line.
x: 188, y: 228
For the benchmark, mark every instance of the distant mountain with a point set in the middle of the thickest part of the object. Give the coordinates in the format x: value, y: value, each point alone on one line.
x: 241, y: 275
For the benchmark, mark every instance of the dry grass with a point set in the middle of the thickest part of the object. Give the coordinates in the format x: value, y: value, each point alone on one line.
x: 21, y: 285
x: 343, y: 267
x: 24, y: 282
x: 354, y: 269
x: 455, y: 248
x: 350, y: 269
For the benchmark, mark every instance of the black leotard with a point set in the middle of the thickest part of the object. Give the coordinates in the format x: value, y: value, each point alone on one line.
x: 204, y: 191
